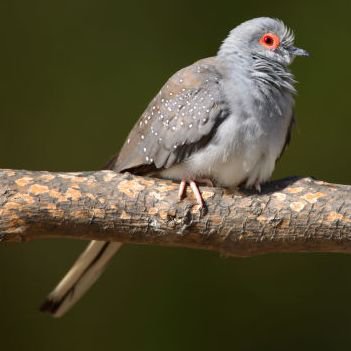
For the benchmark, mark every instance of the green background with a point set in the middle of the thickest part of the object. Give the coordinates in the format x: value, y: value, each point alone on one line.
x: 74, y: 77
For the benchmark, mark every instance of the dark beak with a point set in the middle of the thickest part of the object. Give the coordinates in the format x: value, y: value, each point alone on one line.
x: 298, y: 52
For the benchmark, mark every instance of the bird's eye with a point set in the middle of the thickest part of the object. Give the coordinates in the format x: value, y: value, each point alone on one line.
x: 270, y: 41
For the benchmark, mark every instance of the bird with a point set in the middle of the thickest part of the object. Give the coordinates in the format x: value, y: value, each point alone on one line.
x: 224, y: 121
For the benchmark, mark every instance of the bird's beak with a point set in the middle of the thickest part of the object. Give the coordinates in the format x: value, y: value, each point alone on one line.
x: 298, y: 52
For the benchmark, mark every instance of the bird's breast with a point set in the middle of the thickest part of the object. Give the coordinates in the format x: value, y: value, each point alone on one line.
x: 243, y: 150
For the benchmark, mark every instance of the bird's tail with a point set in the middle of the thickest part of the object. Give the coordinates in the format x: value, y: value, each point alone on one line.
x: 83, y: 274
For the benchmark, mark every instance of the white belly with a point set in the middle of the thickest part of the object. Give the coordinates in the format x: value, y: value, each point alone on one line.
x: 240, y: 152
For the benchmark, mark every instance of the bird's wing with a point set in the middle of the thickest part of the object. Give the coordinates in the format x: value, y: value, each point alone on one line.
x: 182, y: 118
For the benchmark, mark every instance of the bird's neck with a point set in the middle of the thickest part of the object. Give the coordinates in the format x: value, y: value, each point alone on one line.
x: 262, y: 83
x: 271, y: 76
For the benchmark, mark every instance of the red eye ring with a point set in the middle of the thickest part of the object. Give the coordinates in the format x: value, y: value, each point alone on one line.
x: 270, y: 41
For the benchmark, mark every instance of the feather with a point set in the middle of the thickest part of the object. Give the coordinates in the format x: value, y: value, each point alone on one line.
x: 181, y: 119
x: 83, y: 274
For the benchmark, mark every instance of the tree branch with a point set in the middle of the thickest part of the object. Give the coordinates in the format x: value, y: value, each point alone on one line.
x: 290, y: 215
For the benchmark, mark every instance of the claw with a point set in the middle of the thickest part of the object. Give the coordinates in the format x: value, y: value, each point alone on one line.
x: 258, y: 187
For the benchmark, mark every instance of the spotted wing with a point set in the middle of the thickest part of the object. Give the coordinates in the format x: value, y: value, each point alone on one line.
x: 182, y: 118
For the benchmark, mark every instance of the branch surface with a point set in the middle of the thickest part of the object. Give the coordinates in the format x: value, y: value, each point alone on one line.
x: 289, y: 215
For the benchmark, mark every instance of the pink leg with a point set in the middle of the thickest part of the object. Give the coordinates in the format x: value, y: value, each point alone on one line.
x: 197, y: 193
x: 194, y: 188
x: 182, y: 187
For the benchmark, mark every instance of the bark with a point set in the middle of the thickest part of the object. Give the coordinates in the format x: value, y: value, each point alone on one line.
x: 289, y: 215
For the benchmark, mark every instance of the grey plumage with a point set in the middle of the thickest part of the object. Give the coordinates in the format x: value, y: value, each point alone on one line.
x: 181, y: 119
x: 225, y: 118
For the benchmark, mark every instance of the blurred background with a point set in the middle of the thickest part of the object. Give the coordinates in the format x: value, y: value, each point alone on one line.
x: 74, y: 77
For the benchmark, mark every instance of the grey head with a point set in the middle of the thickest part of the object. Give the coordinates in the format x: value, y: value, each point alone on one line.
x: 260, y: 51
x: 262, y: 38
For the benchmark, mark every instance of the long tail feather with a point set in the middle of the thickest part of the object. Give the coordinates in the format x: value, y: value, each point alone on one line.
x: 83, y: 274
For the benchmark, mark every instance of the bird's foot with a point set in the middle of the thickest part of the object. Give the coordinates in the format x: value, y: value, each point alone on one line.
x: 194, y: 187
x: 256, y: 186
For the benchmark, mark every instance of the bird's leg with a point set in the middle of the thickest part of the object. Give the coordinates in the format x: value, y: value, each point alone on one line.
x: 194, y: 188
x: 197, y: 193
x: 182, y: 187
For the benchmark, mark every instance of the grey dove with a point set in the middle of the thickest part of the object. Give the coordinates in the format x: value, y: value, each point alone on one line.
x: 224, y: 120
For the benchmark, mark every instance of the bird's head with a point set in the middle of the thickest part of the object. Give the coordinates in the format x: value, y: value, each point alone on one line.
x: 264, y: 38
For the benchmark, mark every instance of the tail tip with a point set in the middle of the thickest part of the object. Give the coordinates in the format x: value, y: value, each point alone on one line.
x: 50, y: 306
